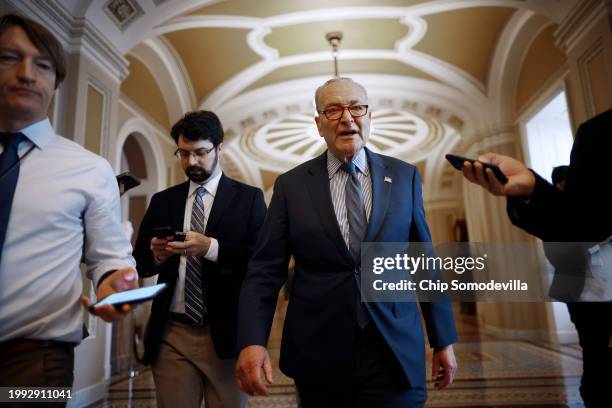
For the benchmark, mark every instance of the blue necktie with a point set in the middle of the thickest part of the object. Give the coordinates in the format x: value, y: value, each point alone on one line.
x: 9, y: 173
x: 195, y: 304
x: 358, y: 224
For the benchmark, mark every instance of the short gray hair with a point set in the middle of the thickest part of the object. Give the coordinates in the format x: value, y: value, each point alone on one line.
x: 333, y: 81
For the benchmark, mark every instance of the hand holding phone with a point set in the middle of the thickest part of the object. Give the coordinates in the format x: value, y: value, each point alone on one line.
x: 130, y: 296
x: 117, y: 281
x: 517, y: 180
x: 180, y: 236
x: 167, y: 234
x: 163, y: 232
x: 457, y: 162
x: 189, y: 243
x: 161, y: 237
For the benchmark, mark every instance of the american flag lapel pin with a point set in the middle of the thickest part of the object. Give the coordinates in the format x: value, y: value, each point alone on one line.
x: 388, y: 179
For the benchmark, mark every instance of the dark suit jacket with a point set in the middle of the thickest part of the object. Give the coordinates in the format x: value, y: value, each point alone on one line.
x: 320, y: 327
x: 235, y: 218
x: 581, y: 211
x: 578, y: 213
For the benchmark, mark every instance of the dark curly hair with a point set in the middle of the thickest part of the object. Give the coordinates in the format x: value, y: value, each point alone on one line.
x: 198, y: 125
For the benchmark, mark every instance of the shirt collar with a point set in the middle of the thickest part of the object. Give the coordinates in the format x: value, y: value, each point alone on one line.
x: 360, y: 161
x: 210, y: 185
x: 40, y: 133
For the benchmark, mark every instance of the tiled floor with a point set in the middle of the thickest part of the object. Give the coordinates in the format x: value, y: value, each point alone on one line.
x: 492, y: 373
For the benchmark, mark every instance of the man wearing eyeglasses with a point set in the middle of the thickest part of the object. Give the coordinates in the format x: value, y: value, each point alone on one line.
x: 191, y: 337
x: 340, y: 351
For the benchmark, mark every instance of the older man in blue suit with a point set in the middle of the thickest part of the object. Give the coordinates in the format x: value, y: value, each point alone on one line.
x: 340, y: 351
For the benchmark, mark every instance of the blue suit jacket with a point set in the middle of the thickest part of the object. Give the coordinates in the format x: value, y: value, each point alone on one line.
x: 320, y: 326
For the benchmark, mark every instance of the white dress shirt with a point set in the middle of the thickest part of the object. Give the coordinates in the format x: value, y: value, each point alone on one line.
x: 66, y: 208
x: 210, y: 187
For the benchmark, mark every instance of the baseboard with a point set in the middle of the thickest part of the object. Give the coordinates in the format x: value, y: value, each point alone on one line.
x: 88, y: 395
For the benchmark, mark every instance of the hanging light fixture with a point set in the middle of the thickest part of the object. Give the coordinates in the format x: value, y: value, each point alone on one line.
x: 334, y: 38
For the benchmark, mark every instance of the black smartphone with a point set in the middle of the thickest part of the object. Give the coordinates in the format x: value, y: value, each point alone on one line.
x: 163, y: 232
x: 130, y: 296
x: 180, y: 236
x: 127, y: 181
x: 457, y: 162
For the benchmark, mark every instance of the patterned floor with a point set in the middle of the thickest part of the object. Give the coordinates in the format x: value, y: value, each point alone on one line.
x: 492, y: 373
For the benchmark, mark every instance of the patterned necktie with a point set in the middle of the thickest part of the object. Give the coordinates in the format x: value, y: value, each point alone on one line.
x: 357, y: 220
x: 195, y: 304
x: 8, y: 181
x: 355, y: 211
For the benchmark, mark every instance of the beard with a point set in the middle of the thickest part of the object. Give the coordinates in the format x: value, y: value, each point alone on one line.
x: 199, y: 174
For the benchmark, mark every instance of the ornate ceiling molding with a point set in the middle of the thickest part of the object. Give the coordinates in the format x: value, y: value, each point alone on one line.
x: 165, y: 64
x: 423, y: 97
x: 273, y: 130
x: 271, y: 60
x: 578, y: 20
x: 509, y: 50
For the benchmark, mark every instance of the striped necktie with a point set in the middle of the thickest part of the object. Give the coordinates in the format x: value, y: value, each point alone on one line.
x: 195, y: 303
x: 358, y: 224
x: 355, y: 211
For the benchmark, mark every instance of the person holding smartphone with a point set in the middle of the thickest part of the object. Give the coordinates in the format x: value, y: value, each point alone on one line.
x: 579, y: 212
x: 191, y: 337
x: 59, y: 203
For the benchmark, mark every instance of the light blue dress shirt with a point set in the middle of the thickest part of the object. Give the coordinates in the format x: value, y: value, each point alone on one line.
x: 66, y: 208
x: 337, y: 185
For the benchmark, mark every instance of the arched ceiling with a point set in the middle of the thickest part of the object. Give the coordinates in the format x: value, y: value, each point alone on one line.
x: 257, y: 63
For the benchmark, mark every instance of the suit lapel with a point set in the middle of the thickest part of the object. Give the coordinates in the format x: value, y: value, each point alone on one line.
x: 178, y: 212
x: 175, y: 218
x: 224, y: 196
x: 318, y: 187
x: 381, y: 191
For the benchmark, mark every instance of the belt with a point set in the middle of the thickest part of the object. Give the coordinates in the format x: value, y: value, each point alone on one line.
x: 20, y: 345
x: 183, y: 318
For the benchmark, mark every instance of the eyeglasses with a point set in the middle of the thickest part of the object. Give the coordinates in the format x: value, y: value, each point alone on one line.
x: 197, y: 154
x: 336, y: 112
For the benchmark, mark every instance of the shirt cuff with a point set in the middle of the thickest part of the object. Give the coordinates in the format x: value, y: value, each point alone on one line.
x: 101, y: 278
x: 213, y: 251
x: 98, y: 272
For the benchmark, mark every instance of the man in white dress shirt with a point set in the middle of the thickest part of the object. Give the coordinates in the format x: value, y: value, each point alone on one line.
x: 59, y: 205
